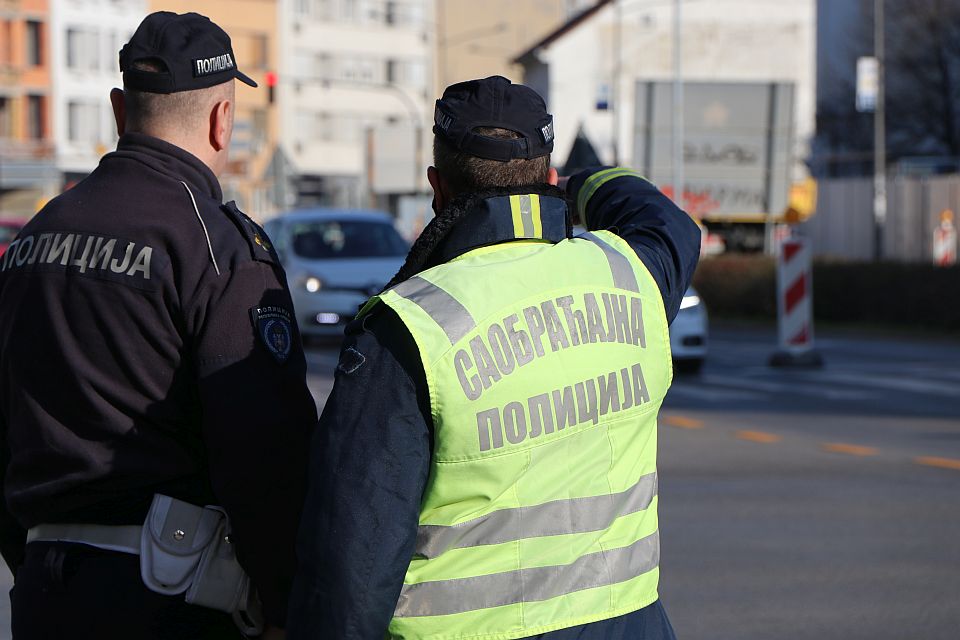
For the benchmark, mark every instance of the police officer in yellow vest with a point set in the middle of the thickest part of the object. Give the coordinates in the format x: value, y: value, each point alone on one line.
x: 486, y: 464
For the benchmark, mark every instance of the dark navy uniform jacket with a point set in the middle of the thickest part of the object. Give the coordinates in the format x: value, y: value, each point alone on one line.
x: 147, y: 345
x: 371, y: 454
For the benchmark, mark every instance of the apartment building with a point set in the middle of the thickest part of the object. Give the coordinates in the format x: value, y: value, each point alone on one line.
x: 355, y: 93
x: 27, y: 173
x: 86, y: 37
x: 250, y: 178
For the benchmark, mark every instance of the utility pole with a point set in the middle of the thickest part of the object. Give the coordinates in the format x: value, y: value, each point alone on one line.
x: 615, y: 81
x: 879, y: 136
x: 678, y: 177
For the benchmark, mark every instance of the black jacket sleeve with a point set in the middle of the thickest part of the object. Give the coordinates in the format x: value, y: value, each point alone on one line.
x: 369, y: 463
x: 13, y: 537
x: 665, y: 238
x: 258, y: 416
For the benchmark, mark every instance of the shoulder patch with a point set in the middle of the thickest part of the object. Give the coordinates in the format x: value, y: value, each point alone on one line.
x: 274, y: 327
x: 350, y: 360
x: 261, y: 248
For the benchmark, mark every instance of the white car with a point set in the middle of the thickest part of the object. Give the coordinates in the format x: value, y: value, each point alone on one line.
x: 688, y: 334
x: 335, y: 260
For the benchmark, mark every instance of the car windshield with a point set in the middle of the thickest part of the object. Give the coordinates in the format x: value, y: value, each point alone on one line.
x: 346, y: 239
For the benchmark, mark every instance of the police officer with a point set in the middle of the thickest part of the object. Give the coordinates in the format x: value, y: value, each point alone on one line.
x: 148, y: 346
x: 486, y: 464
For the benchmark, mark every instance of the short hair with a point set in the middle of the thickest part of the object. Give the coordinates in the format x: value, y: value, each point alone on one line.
x: 181, y: 109
x: 467, y: 173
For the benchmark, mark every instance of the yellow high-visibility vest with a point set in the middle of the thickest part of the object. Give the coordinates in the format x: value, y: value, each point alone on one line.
x: 546, y: 366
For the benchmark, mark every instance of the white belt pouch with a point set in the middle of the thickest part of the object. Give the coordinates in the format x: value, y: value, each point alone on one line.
x: 187, y: 549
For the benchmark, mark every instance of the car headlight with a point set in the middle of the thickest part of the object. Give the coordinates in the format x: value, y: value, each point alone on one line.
x: 313, y: 284
x: 689, y: 302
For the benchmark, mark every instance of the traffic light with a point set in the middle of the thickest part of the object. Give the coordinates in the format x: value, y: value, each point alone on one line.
x: 271, y: 80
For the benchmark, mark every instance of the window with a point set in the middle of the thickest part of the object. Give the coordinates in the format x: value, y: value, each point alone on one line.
x: 409, y: 73
x: 260, y: 133
x: 259, y: 56
x: 34, y: 43
x: 83, y: 122
x: 6, y: 42
x: 36, y: 111
x: 6, y: 128
x: 390, y: 13
x: 83, y: 49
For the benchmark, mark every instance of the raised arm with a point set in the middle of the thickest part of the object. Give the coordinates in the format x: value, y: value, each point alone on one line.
x: 665, y: 238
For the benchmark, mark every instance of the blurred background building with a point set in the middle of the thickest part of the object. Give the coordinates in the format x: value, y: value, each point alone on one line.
x: 476, y: 44
x: 355, y: 95
x: 27, y: 168
x: 343, y: 116
x: 748, y: 75
x: 85, y: 38
x: 252, y: 24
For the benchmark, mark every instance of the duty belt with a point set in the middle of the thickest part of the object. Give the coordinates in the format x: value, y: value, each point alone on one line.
x: 125, y: 539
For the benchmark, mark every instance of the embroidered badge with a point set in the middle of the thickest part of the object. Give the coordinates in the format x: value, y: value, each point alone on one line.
x: 275, y: 329
x: 351, y: 360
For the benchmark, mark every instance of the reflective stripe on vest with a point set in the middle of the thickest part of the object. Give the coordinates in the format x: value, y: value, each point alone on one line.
x: 575, y: 515
x: 452, y: 317
x: 546, y: 366
x: 529, y: 585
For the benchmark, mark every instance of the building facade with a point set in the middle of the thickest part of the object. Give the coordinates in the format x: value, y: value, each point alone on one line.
x: 356, y: 94
x: 589, y: 68
x: 86, y: 37
x: 27, y: 173
x: 476, y: 40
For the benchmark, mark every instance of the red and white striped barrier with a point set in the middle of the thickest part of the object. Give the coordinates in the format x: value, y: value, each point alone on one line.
x: 945, y: 241
x: 795, y: 305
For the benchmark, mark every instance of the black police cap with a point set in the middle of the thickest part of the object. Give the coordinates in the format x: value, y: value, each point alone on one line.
x: 494, y: 102
x: 194, y: 52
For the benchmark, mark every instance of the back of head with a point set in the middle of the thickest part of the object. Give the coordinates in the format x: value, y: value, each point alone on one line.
x: 491, y: 134
x: 467, y: 173
x: 177, y: 68
x: 171, y: 116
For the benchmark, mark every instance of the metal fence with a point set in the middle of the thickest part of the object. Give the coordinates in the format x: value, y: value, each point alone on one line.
x: 843, y: 224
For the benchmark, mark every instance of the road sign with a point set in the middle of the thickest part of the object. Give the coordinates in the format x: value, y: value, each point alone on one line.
x: 945, y: 241
x: 868, y: 84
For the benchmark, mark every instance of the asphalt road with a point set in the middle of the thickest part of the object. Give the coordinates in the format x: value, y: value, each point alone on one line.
x: 814, y: 504
x: 806, y: 504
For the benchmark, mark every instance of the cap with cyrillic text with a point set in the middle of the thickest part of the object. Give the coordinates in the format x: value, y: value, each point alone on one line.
x: 497, y: 103
x: 189, y: 51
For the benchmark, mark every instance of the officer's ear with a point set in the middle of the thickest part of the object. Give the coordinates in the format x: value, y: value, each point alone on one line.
x: 119, y: 109
x: 221, y: 125
x: 553, y: 178
x: 442, y: 194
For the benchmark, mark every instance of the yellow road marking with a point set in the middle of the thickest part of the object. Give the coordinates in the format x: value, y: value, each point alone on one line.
x: 850, y: 449
x: 758, y: 436
x: 683, y: 422
x: 943, y: 463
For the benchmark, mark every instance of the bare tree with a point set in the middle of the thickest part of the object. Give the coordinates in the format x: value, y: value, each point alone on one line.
x: 923, y: 88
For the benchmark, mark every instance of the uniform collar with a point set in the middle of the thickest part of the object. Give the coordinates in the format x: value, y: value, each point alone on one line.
x: 533, y: 213
x: 168, y: 159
